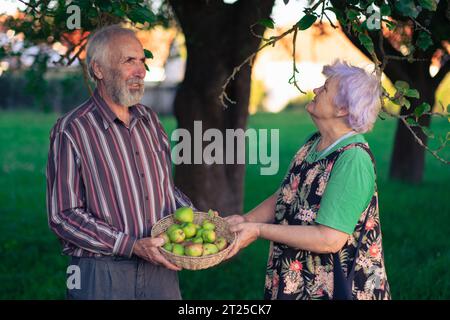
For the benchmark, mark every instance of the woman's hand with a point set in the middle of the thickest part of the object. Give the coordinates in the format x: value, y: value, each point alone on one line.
x: 235, y: 219
x: 247, y: 232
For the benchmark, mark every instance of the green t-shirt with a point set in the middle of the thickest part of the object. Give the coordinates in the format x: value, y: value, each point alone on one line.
x: 350, y: 186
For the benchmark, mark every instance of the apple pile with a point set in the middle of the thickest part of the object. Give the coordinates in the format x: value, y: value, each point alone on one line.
x: 187, y: 238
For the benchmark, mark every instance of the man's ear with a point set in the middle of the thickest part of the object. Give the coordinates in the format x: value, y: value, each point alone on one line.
x: 97, y: 70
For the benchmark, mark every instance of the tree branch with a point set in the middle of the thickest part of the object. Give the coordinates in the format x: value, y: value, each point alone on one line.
x: 272, y: 41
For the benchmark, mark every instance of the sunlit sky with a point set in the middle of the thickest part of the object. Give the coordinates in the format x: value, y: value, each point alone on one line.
x: 10, y: 6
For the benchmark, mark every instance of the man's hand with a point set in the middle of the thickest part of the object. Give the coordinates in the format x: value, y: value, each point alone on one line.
x: 247, y: 232
x: 147, y: 249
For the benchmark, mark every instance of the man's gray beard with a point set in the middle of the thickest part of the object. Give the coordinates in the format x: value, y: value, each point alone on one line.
x: 120, y: 93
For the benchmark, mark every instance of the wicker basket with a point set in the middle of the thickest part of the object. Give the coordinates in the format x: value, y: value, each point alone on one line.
x: 197, y: 263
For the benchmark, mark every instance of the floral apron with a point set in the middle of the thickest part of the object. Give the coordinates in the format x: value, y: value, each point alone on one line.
x: 298, y: 274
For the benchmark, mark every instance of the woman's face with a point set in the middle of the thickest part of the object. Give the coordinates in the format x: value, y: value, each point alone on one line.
x: 322, y: 106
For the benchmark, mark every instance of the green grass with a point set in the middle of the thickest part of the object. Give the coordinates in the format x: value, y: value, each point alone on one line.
x: 415, y: 219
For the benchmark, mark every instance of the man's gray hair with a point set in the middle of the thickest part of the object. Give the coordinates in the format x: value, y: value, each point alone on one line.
x: 358, y: 92
x: 98, y: 49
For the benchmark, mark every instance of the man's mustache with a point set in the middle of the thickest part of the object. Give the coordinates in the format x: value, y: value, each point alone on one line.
x: 135, y: 81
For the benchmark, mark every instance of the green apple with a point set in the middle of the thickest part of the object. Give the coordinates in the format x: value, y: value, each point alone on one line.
x: 209, y: 248
x: 209, y: 236
x: 168, y: 246
x: 197, y: 239
x: 184, y: 214
x: 199, y: 232
x: 173, y: 227
x: 189, y: 230
x: 208, y: 225
x: 194, y: 250
x: 221, y: 243
x: 177, y: 236
x: 178, y: 249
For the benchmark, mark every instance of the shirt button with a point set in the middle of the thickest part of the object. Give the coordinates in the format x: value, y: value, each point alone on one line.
x: 142, y: 175
x: 137, y: 153
x: 146, y: 197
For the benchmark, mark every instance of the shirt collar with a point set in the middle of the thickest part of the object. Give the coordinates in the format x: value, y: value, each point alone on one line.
x: 108, y: 116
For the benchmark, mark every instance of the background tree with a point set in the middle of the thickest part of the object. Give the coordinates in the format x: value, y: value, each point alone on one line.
x: 217, y: 39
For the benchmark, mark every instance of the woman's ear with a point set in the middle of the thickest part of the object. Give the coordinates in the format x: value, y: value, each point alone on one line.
x: 341, y: 112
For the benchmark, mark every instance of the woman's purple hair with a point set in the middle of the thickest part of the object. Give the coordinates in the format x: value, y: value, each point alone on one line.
x: 358, y: 92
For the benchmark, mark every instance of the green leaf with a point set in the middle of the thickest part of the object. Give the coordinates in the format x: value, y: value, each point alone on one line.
x: 424, y: 41
x: 148, y: 54
x: 412, y: 122
x: 146, y: 67
x: 267, y: 22
x: 366, y: 41
x: 118, y: 12
x: 141, y: 15
x: 385, y: 10
x: 390, y: 24
x: 92, y: 13
x: 338, y: 12
x: 402, y: 101
x: 306, y: 22
x: 286, y: 1
x: 430, y: 5
x: 421, y: 109
x: 105, y: 5
x: 406, y: 103
x: 358, y: 28
x: 401, y: 86
x: 412, y: 93
x: 352, y: 14
x: 407, y: 8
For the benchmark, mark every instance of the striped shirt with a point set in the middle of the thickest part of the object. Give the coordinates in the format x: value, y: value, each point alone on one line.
x: 107, y: 184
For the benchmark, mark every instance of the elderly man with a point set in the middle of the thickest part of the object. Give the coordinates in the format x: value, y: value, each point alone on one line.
x: 109, y: 180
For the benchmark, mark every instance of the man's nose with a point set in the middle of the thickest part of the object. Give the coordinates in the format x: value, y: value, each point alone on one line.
x: 140, y: 71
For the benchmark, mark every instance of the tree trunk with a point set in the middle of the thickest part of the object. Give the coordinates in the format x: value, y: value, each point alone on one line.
x: 408, y: 157
x: 218, y: 38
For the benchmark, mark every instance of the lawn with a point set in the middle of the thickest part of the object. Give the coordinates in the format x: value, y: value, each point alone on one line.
x: 415, y: 219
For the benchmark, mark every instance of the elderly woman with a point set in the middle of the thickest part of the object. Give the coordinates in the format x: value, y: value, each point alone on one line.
x: 323, y: 222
